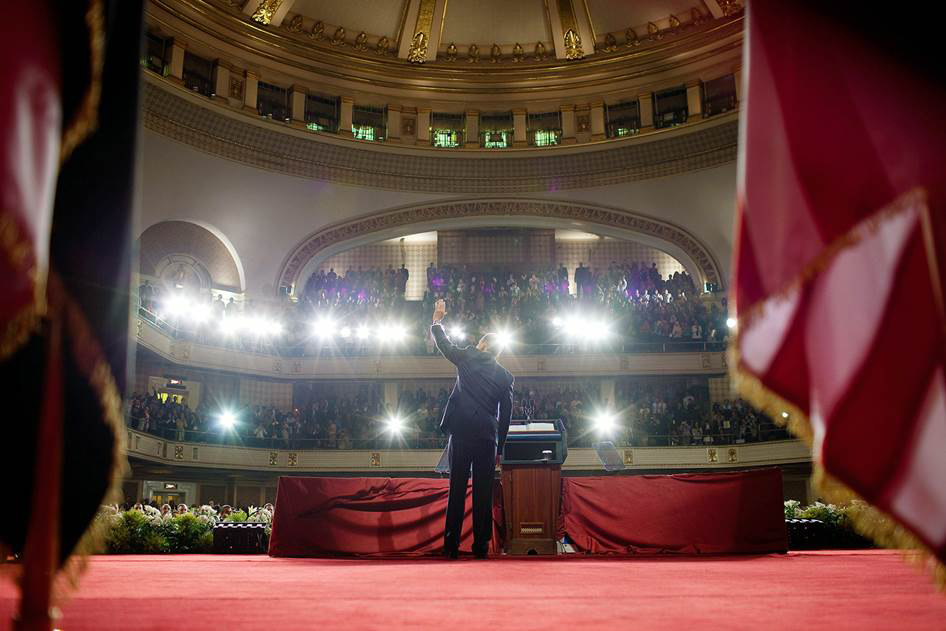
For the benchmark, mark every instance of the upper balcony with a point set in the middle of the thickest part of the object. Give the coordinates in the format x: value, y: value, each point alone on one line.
x: 386, y: 362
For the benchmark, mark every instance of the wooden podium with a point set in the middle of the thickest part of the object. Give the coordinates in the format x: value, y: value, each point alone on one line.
x: 532, y: 485
x: 531, y: 497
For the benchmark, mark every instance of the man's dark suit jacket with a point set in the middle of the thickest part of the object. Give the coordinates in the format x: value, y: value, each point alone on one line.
x: 480, y: 405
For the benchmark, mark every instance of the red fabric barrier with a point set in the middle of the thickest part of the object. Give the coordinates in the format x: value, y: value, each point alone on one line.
x: 368, y: 517
x: 711, y: 513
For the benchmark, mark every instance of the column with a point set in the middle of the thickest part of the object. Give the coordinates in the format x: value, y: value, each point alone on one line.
x: 297, y: 103
x: 597, y: 121
x: 394, y: 123
x: 568, y: 124
x: 249, y: 90
x: 221, y: 82
x: 645, y: 105
x: 607, y: 393
x: 694, y: 101
x: 519, y: 128
x: 471, y: 130
x: 423, y: 126
x: 176, y: 64
x: 344, y: 116
x: 738, y: 77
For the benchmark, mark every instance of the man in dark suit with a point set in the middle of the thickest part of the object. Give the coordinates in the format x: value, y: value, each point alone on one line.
x: 477, y: 419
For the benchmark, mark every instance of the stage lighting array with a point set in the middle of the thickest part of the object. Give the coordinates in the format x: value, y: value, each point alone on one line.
x: 582, y: 328
x: 326, y: 329
x: 180, y: 308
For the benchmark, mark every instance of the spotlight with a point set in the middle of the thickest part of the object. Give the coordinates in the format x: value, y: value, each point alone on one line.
x: 176, y: 306
x: 389, y: 333
x: 324, y: 328
x: 199, y: 313
x: 268, y: 327
x: 597, y: 331
x: 604, y: 422
x: 345, y: 332
x: 363, y: 332
x: 731, y: 323
x: 504, y: 338
x: 231, y: 325
x: 394, y: 424
x: 784, y: 414
x: 456, y: 331
x: 227, y: 419
x: 557, y: 322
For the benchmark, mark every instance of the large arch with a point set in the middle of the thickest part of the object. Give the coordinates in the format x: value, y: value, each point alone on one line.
x: 192, y: 242
x: 478, y: 213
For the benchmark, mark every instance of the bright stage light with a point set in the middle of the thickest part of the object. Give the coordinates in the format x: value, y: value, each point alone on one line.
x: 231, y: 325
x: 176, y: 306
x: 345, y: 332
x: 605, y: 422
x: 731, y: 323
x: 227, y: 419
x: 456, y: 332
x: 363, y: 332
x: 390, y: 333
x: 324, y: 328
x: 557, y: 322
x: 597, y: 331
x: 272, y: 327
x: 784, y: 414
x: 504, y: 338
x: 394, y: 424
x: 199, y: 313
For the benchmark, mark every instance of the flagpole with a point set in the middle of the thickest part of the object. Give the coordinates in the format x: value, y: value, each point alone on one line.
x: 41, y: 552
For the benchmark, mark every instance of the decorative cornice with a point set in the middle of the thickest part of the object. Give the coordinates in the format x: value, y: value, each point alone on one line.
x: 214, y: 129
x: 412, y: 216
x: 283, y: 48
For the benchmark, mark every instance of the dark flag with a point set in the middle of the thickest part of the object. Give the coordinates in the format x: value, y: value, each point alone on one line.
x: 68, y: 122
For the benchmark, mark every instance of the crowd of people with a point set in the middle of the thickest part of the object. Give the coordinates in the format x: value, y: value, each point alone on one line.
x: 632, y: 300
x: 677, y: 412
x: 665, y: 412
x: 211, y: 512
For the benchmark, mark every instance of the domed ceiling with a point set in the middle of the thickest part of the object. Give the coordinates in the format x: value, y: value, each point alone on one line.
x: 484, y: 31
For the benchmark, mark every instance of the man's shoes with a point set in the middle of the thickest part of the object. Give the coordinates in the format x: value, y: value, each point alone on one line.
x: 480, y: 554
x: 451, y: 553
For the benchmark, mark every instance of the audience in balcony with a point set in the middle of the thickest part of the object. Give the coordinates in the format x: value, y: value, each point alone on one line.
x: 639, y: 305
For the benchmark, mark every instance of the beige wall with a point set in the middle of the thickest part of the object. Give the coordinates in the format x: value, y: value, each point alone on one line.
x: 264, y: 214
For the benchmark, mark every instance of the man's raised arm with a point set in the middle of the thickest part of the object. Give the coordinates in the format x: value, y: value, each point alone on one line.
x: 444, y: 345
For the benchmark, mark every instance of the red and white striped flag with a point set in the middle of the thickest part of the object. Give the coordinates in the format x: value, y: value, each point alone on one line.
x: 837, y: 271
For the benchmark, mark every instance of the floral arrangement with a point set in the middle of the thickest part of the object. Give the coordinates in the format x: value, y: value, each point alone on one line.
x: 838, y: 522
x: 145, y: 530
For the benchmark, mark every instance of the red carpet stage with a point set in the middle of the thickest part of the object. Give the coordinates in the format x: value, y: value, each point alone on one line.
x: 737, y: 512
x: 830, y: 590
x: 715, y: 513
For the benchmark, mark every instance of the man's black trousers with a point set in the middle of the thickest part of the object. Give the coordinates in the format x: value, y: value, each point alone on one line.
x: 481, y: 454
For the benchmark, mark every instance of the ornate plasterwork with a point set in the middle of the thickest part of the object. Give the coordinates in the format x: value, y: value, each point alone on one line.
x: 273, y: 147
x: 604, y: 217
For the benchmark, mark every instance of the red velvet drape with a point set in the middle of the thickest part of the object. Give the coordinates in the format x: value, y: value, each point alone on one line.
x: 368, y: 517
x: 703, y: 513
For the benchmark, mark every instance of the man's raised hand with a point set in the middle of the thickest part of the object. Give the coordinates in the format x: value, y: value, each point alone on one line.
x: 440, y: 310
